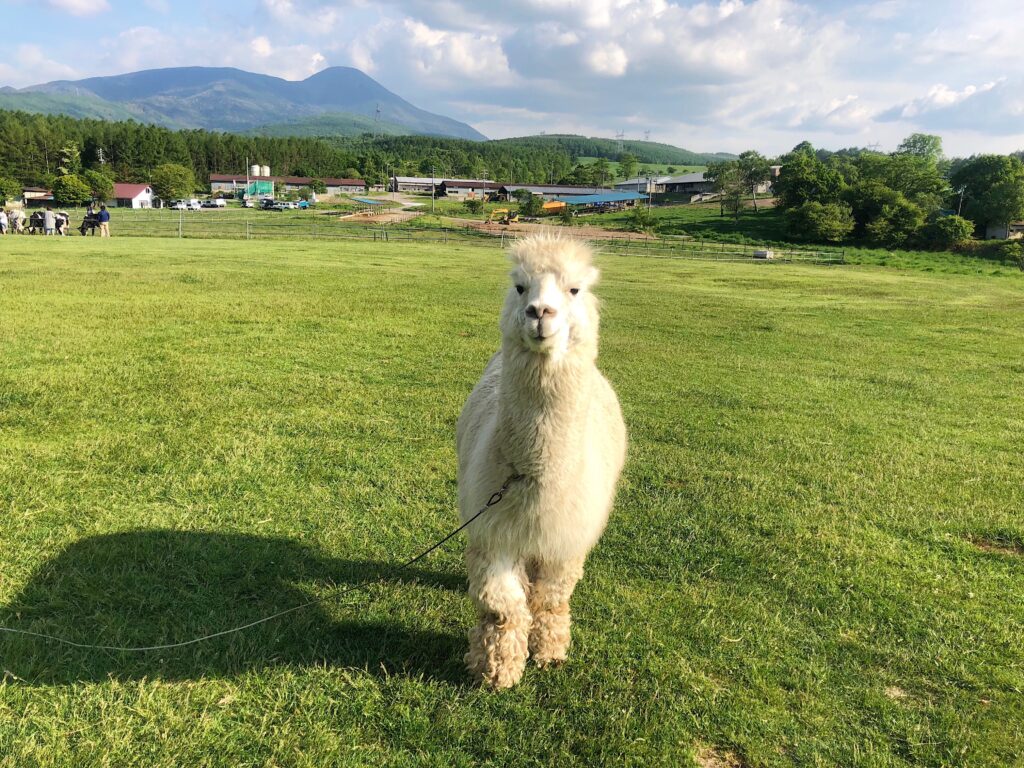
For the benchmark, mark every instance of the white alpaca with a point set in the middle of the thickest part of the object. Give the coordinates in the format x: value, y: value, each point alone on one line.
x: 541, y: 410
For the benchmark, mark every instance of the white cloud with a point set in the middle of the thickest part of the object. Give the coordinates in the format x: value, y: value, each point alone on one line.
x: 608, y: 59
x: 731, y: 73
x: 261, y: 46
x: 80, y: 7
x: 941, y: 97
x: 30, y: 66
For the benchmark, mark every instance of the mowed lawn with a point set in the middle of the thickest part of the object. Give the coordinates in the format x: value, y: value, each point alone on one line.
x: 816, y: 557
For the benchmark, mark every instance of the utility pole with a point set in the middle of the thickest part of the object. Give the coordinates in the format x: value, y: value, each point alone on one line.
x: 431, y: 190
x: 961, y: 205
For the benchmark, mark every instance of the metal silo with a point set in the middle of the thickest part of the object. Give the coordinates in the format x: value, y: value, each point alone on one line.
x: 264, y: 170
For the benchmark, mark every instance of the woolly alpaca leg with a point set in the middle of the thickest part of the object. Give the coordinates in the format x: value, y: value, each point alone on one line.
x: 549, y: 603
x: 498, y: 644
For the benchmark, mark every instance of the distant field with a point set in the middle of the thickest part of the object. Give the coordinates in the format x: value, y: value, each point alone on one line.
x: 652, y: 168
x: 815, y: 556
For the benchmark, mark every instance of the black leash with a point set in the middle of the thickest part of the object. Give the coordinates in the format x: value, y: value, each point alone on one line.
x: 495, y: 498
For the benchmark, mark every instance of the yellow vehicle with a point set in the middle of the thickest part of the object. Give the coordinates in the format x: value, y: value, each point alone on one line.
x: 504, y: 216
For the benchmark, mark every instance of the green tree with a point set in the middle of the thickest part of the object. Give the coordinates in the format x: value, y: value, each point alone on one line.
x: 754, y: 170
x: 10, y: 189
x: 627, y: 165
x: 897, y: 223
x: 70, y: 160
x: 305, y: 193
x: 993, y: 188
x: 829, y: 222
x: 921, y: 145
x: 171, y: 181
x: 566, y: 215
x: 529, y: 203
x: 640, y: 219
x: 600, y: 171
x: 867, y: 199
x: 473, y: 205
x: 804, y: 178
x: 71, y: 190
x: 727, y: 177
x: 947, y: 231
x: 318, y: 186
x: 100, y: 184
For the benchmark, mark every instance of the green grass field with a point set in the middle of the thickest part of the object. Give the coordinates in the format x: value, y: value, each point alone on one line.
x: 655, y: 169
x: 816, y: 556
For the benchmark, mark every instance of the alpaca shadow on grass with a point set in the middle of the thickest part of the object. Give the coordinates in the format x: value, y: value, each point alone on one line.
x: 154, y: 587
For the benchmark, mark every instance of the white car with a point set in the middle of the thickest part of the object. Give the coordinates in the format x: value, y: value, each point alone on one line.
x: 179, y: 205
x: 194, y: 205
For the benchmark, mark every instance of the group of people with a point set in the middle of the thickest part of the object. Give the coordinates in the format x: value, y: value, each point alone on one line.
x: 51, y: 222
x: 12, y: 221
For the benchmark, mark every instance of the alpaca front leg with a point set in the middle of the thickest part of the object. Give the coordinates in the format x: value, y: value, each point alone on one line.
x: 549, y: 603
x: 498, y: 644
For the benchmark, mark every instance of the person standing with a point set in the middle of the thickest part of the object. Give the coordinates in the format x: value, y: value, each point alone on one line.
x: 3, y: 222
x: 49, y: 221
x: 104, y: 219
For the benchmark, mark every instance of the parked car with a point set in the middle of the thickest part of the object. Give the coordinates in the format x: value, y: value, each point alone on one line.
x: 217, y: 202
x: 179, y: 205
x: 248, y: 204
x: 267, y: 203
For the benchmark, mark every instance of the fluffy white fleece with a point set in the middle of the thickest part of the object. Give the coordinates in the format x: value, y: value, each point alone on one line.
x: 543, y: 410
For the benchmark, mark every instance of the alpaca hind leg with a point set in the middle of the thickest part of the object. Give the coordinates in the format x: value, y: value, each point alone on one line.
x: 498, y: 643
x: 553, y: 585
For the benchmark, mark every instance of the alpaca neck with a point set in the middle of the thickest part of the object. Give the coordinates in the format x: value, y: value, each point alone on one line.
x: 542, y: 406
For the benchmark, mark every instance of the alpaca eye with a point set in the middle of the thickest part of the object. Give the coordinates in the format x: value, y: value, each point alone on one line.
x: 520, y: 289
x: 574, y: 291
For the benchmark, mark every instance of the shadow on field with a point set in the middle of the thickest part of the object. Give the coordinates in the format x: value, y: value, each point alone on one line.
x: 154, y: 587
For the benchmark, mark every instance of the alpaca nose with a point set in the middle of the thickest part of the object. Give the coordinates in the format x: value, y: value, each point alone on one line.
x: 537, y: 310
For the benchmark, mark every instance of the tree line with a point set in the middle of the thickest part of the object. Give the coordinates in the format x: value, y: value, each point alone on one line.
x: 913, y: 197
x: 38, y: 150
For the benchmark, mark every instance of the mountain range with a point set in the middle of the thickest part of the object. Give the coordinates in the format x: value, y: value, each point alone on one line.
x: 228, y: 99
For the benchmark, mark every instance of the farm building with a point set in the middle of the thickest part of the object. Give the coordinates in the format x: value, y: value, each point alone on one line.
x: 1012, y: 231
x: 605, y: 201
x: 648, y: 184
x: 467, y: 189
x: 549, y: 191
x: 412, y: 184
x: 689, y: 184
x: 132, y: 196
x: 255, y: 186
x: 36, y: 196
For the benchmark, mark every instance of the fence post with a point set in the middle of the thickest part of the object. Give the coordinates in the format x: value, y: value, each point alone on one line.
x: 248, y: 235
x: 179, y: 224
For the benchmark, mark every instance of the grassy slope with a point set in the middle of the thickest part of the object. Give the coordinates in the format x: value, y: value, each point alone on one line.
x: 642, y: 168
x: 789, y: 572
x: 66, y: 104
x: 332, y: 124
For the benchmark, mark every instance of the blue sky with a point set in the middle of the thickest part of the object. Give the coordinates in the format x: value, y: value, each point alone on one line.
x: 708, y: 76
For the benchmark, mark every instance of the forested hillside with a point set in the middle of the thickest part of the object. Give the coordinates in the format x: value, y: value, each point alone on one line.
x: 32, y: 148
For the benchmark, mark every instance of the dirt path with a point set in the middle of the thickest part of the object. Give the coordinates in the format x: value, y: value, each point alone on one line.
x: 388, y: 216
x: 585, y: 230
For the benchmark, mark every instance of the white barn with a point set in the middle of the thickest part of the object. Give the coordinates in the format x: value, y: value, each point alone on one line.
x: 133, y: 196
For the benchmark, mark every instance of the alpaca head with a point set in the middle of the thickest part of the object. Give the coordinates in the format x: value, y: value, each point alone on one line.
x: 549, y: 308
